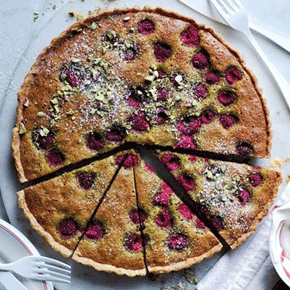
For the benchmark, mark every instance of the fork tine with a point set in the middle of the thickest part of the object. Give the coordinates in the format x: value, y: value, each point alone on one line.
x: 227, y: 7
x: 239, y: 4
x: 54, y: 268
x: 219, y: 9
x: 49, y: 278
x: 232, y: 5
x: 53, y: 262
x: 42, y: 272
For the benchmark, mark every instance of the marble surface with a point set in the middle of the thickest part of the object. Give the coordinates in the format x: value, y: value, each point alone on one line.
x: 18, y: 30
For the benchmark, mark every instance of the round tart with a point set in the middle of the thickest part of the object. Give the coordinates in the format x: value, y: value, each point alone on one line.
x: 147, y: 76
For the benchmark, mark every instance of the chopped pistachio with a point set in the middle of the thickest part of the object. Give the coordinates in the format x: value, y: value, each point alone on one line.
x: 178, y: 79
x: 150, y: 78
x: 43, y: 131
x: 93, y: 26
x: 22, y: 128
x: 126, y: 18
x: 54, y: 101
x: 40, y: 114
x: 35, y: 15
x: 111, y: 34
x: 75, y: 60
x: 26, y: 102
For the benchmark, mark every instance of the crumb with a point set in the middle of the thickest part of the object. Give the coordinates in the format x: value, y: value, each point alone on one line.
x: 77, y: 15
x: 95, y: 11
x: 35, y: 15
x: 277, y: 163
x: 278, y: 111
x: 190, y: 277
x: 288, y: 177
x: 287, y: 160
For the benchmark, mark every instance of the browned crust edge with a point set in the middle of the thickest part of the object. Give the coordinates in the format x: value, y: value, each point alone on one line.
x: 33, y: 222
x: 185, y: 264
x: 108, y: 268
x: 30, y: 76
x: 261, y: 215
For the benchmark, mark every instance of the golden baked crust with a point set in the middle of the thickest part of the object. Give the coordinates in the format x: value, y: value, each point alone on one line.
x: 50, y: 204
x: 47, y: 105
x: 165, y: 221
x: 236, y: 197
x: 114, y: 250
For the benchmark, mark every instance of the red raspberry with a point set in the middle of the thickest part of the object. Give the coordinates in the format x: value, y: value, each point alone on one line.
x: 244, y: 196
x: 232, y: 75
x: 189, y: 126
x: 177, y: 242
x: 211, y: 78
x: 86, y: 180
x: 199, y: 224
x: 146, y: 27
x: 207, y: 116
x: 130, y: 161
x: 116, y: 133
x: 166, y: 189
x: 133, y: 242
x: 162, y: 51
x: 95, y: 232
x: 192, y: 158
x: 228, y: 120
x: 185, y: 211
x: 186, y: 181
x: 171, y: 161
x: 67, y: 228
x: 148, y: 167
x: 162, y: 94
x: 54, y: 157
x: 200, y: 91
x: 134, y: 216
x: 164, y: 219
x: 244, y: 149
x: 139, y: 123
x: 190, y: 36
x: 255, y: 179
x: 226, y: 97
x: 161, y: 199
x: 200, y: 61
x: 185, y: 142
x: 95, y: 141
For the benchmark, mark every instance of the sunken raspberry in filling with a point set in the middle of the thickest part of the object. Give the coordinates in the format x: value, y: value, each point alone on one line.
x: 226, y: 97
x: 67, y: 228
x: 86, y: 180
x: 95, y: 232
x: 166, y: 188
x: 200, y: 61
x: 164, y: 219
x: 43, y: 142
x: 131, y: 53
x: 244, y: 149
x: 171, y: 161
x: 190, y: 36
x: 228, y: 120
x: 148, y: 167
x: 134, y: 216
x: 130, y: 161
x: 244, y: 196
x: 95, y: 141
x: 138, y: 122
x: 255, y: 179
x: 161, y: 116
x: 73, y: 76
x: 161, y: 74
x: 199, y: 224
x: 162, y: 94
x: 185, y: 211
x: 207, y: 116
x: 200, y: 91
x: 146, y: 27
x: 189, y: 126
x: 133, y: 242
x: 185, y: 142
x: 136, y: 97
x: 186, y: 181
x: 211, y: 78
x: 54, y: 157
x: 162, y: 51
x: 161, y: 199
x: 192, y: 158
x: 232, y: 75
x: 177, y: 242
x: 116, y: 133
x: 217, y: 222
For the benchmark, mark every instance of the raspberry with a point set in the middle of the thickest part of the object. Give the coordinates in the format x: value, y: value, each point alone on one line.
x: 186, y: 181
x: 190, y: 36
x: 232, y: 75
x: 86, y: 180
x: 244, y: 196
x: 171, y: 161
x: 162, y: 94
x: 228, y: 120
x: 67, y: 228
x: 166, y: 189
x: 146, y: 27
x: 244, y: 149
x: 162, y: 51
x: 189, y: 126
x: 134, y: 216
x: 136, y: 97
x: 95, y: 232
x: 161, y: 199
x: 185, y: 142
x: 133, y: 242
x: 255, y: 179
x: 148, y: 167
x: 177, y: 242
x: 200, y: 61
x: 42, y: 142
x: 95, y: 141
x: 226, y: 97
x: 164, y: 219
x: 211, y: 78
x: 72, y: 76
x: 185, y: 211
x: 130, y: 161
x: 161, y: 74
x: 199, y: 224
x: 192, y: 158
x: 54, y: 157
x: 161, y: 117
x: 116, y: 133
x: 139, y: 122
x: 131, y: 53
x: 200, y: 91
x: 217, y: 222
x: 207, y: 116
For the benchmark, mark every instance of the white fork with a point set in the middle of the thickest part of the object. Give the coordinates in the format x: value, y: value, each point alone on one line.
x: 234, y: 13
x: 39, y: 268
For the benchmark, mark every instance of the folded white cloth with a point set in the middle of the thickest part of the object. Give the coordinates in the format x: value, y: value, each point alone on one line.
x: 249, y: 267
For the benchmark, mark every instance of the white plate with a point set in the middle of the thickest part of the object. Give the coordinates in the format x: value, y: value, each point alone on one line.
x: 13, y: 246
x: 84, y: 277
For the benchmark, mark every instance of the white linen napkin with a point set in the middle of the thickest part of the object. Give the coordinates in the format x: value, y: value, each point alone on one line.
x: 249, y: 267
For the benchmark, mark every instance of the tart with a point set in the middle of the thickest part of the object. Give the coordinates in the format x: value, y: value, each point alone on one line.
x: 147, y: 76
x: 234, y: 197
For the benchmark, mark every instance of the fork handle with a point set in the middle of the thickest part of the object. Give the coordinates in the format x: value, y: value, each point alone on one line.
x: 276, y: 38
x: 282, y: 83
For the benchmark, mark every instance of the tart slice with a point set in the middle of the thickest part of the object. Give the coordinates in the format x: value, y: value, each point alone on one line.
x: 234, y: 197
x: 113, y: 241
x: 175, y: 238
x: 59, y: 209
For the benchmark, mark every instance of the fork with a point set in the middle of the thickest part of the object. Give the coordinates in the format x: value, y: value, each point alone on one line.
x: 39, y: 268
x: 234, y: 13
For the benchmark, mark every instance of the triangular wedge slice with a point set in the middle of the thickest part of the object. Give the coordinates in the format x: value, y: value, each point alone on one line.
x: 113, y: 241
x: 235, y: 197
x: 60, y: 207
x: 174, y: 237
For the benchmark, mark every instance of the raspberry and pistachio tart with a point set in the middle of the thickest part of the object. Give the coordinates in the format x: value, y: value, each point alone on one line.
x: 147, y: 76
x: 113, y: 241
x: 60, y: 208
x: 175, y: 238
x: 234, y: 197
